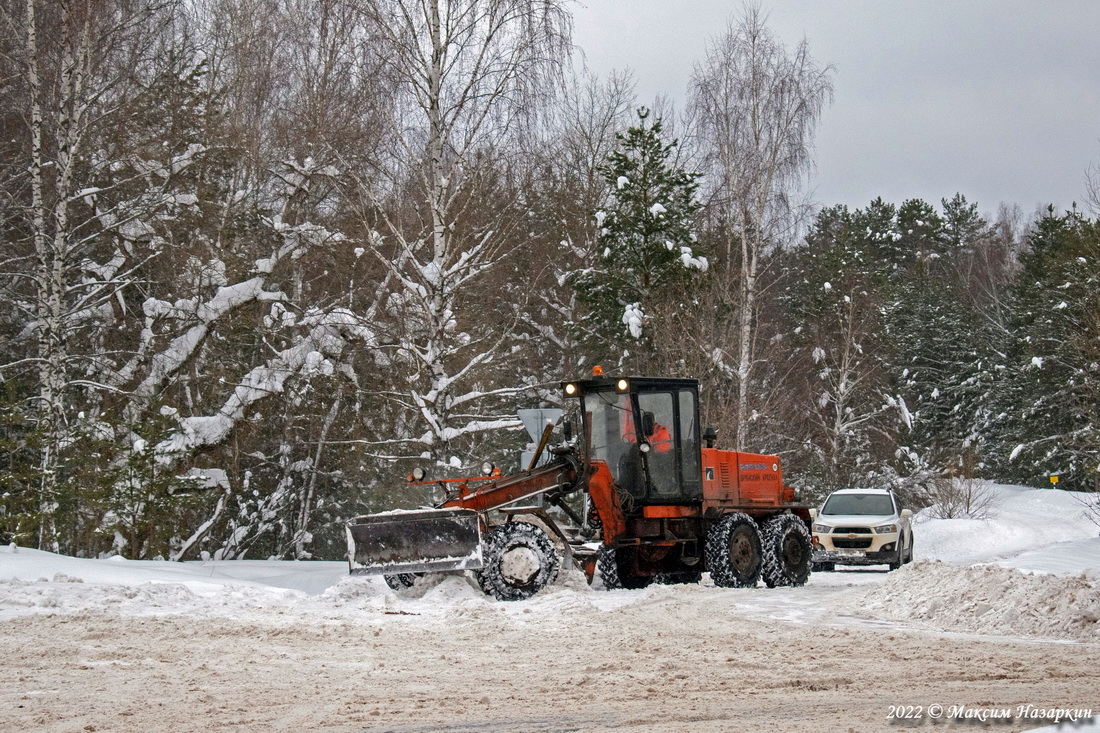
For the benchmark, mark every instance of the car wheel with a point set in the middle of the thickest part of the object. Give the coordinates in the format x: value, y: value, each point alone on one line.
x: 901, y: 558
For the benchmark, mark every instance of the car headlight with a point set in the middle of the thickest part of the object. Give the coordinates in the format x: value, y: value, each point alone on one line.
x: 822, y: 528
x: 886, y: 529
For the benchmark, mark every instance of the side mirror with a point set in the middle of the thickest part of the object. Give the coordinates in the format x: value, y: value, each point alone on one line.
x: 567, y: 430
x: 710, y: 435
x: 906, y: 513
x: 649, y: 424
x: 813, y: 514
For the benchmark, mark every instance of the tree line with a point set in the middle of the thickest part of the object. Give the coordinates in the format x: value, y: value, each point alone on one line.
x: 263, y: 256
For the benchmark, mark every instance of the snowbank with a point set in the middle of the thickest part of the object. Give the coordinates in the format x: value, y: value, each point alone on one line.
x: 1021, y: 520
x: 1043, y: 531
x: 987, y: 599
x: 1029, y: 568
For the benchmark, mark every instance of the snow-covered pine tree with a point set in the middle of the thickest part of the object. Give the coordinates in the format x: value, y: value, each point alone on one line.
x: 647, y: 246
x: 842, y: 414
x: 1045, y: 406
x: 921, y: 236
x: 946, y: 349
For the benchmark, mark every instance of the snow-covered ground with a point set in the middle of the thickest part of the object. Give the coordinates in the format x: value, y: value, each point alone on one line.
x: 1029, y: 529
x: 1003, y: 611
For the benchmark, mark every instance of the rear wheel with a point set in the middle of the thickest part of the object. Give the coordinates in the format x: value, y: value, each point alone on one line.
x: 787, y: 549
x: 733, y: 551
x: 520, y: 560
x: 614, y: 567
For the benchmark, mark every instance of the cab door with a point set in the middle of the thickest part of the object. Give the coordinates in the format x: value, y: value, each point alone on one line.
x: 668, y: 422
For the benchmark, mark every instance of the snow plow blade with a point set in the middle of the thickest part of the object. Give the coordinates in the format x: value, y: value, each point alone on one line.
x: 428, y: 541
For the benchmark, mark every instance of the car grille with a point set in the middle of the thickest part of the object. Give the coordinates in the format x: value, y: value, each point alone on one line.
x: 852, y: 530
x: 861, y: 543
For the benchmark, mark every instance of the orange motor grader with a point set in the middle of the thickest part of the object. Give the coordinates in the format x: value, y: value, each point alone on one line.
x: 641, y: 495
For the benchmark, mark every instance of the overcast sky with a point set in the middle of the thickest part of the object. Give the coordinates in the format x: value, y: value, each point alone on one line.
x: 996, y: 99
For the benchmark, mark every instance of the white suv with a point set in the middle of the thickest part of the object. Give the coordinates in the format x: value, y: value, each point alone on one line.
x: 862, y: 527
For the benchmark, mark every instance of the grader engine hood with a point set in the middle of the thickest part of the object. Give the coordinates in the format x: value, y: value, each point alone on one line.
x: 430, y: 540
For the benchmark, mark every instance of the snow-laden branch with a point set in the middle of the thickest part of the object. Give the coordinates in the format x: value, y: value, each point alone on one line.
x: 168, y: 362
x: 478, y: 426
x: 329, y: 335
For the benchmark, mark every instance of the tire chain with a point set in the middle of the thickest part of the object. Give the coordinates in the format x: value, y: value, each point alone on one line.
x: 775, y: 571
x: 506, y: 537
x: 718, y: 547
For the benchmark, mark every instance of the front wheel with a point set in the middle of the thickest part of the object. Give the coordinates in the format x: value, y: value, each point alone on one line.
x: 787, y: 551
x: 520, y: 560
x: 733, y: 551
x: 401, y: 581
x: 900, y: 560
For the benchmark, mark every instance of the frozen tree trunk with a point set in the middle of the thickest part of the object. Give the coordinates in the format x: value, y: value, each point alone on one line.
x: 756, y: 106
x: 305, y: 506
x: 48, y: 287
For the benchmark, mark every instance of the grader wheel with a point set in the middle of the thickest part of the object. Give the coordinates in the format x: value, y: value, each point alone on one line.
x: 520, y: 560
x: 733, y: 551
x: 615, y: 573
x: 401, y: 581
x: 787, y: 551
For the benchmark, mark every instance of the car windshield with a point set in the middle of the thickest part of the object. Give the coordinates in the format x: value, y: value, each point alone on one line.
x: 867, y: 504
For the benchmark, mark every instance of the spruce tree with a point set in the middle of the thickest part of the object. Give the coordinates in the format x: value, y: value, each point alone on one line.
x: 938, y: 352
x: 836, y: 285
x: 646, y: 244
x: 1044, y: 409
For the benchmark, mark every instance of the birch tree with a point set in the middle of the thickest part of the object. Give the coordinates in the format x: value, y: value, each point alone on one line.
x: 77, y: 65
x: 756, y: 105
x: 471, y: 74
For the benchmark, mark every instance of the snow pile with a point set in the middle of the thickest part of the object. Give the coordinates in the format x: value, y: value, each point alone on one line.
x: 987, y: 599
x: 36, y: 582
x: 67, y: 594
